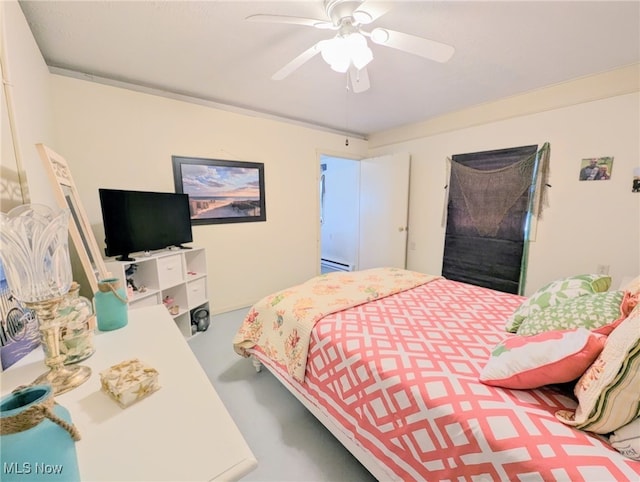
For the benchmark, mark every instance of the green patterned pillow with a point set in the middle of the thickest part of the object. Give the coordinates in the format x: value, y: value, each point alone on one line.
x: 555, y: 293
x: 590, y: 312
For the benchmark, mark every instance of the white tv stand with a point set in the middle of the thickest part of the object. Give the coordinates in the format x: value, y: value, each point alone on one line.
x: 179, y: 274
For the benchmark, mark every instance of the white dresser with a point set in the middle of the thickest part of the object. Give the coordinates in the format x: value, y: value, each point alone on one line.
x: 181, y: 432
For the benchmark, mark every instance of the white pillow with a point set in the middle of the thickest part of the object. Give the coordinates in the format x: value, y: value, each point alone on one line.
x: 626, y: 439
x: 547, y: 358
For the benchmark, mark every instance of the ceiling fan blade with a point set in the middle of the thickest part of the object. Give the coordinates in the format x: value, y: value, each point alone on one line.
x: 370, y: 11
x: 359, y: 79
x: 309, y: 22
x: 429, y: 49
x: 297, y: 62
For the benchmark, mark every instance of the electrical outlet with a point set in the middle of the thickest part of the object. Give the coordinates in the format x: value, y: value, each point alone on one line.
x: 603, y: 269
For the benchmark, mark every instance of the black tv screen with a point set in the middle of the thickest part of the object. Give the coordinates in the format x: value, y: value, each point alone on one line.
x: 136, y: 221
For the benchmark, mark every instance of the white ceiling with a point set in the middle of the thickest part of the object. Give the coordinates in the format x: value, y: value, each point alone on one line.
x: 208, y: 50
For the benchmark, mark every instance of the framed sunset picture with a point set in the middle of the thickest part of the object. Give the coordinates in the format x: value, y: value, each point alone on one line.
x: 221, y: 191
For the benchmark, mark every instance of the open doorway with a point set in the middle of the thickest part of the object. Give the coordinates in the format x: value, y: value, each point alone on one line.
x: 363, y: 212
x: 339, y: 213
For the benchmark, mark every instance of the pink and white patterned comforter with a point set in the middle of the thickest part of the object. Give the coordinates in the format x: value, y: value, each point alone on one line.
x: 399, y: 375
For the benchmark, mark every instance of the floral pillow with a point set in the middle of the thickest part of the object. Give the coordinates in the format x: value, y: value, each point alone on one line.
x: 590, y: 311
x: 609, y: 391
x: 555, y: 293
x: 524, y: 362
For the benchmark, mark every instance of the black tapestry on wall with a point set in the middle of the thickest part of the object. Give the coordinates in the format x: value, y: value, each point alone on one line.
x: 488, y: 199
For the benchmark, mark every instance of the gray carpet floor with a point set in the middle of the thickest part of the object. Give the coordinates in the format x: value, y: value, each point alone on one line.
x: 286, y: 439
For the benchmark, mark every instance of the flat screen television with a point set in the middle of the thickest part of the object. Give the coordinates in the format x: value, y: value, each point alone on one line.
x: 138, y: 221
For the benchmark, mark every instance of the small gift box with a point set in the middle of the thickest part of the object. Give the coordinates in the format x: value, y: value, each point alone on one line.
x: 129, y: 381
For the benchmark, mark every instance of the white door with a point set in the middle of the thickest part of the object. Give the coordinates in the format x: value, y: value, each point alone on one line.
x: 384, y: 210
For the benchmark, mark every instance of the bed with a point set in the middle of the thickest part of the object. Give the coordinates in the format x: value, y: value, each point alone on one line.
x: 393, y: 373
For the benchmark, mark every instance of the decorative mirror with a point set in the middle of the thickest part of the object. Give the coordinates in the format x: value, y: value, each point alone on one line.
x: 80, y: 230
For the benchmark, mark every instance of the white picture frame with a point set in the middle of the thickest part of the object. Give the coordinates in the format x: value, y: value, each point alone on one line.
x: 66, y: 196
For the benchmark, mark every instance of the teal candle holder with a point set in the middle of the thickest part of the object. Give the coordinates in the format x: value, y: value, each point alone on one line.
x: 111, y: 305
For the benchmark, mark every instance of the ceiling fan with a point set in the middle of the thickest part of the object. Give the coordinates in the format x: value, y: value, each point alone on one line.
x: 348, y: 50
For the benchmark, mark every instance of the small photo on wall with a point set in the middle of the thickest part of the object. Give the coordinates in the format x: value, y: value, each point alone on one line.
x: 636, y: 180
x: 596, y: 169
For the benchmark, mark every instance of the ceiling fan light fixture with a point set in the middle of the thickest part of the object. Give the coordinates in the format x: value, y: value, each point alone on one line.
x: 362, y: 59
x: 333, y: 54
x: 344, y: 50
x: 379, y: 35
x: 340, y: 65
x: 358, y: 50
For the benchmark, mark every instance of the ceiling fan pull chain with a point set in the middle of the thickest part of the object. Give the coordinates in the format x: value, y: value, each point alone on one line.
x: 346, y: 109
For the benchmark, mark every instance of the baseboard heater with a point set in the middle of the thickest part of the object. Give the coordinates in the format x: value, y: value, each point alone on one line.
x: 329, y: 265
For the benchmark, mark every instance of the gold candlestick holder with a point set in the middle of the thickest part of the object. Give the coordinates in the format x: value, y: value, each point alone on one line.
x: 62, y: 378
x: 35, y: 257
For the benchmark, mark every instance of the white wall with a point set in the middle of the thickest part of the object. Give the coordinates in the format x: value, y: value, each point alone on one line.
x: 29, y: 101
x: 586, y: 224
x: 117, y: 138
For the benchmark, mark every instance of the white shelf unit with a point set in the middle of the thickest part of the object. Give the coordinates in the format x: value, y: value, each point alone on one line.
x: 180, y: 275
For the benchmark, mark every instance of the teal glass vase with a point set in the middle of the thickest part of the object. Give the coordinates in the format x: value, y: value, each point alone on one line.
x: 38, y: 437
x: 111, y: 305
